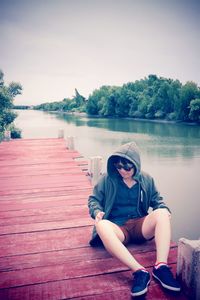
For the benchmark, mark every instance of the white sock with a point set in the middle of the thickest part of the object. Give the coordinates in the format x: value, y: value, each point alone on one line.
x: 158, y: 265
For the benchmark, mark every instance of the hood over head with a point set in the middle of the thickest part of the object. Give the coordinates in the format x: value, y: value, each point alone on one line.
x: 128, y: 151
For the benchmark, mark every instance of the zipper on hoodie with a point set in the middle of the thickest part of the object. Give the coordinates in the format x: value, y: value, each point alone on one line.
x: 140, y: 198
x: 141, y: 195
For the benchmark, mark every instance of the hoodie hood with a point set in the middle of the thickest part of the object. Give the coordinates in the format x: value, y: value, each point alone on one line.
x: 129, y: 151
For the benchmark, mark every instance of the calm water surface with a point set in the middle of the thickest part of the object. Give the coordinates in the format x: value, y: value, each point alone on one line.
x: 169, y: 152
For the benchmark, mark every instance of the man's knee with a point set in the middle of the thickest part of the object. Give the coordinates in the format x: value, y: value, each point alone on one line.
x: 102, y: 225
x: 162, y: 213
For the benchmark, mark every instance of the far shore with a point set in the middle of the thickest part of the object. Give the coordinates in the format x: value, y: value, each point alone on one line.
x: 83, y: 114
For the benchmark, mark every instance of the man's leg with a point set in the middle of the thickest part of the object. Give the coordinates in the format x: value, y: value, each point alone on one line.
x: 112, y: 238
x: 157, y: 224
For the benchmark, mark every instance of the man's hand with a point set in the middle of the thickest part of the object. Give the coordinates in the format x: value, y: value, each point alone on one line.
x: 99, y: 216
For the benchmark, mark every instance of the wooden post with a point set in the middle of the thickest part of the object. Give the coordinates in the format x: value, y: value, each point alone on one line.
x: 7, y: 135
x: 70, y: 142
x: 94, y: 168
x: 188, y: 267
x: 60, y: 133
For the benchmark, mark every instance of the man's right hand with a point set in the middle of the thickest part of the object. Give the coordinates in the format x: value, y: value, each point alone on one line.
x: 99, y: 216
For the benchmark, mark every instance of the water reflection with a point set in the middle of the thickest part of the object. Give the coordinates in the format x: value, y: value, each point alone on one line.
x: 171, y: 140
x: 129, y: 125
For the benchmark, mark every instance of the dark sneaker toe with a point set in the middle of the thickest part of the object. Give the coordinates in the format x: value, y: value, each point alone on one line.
x: 166, y: 278
x: 141, y: 281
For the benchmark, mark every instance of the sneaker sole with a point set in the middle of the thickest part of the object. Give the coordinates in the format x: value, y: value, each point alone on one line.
x: 168, y: 287
x: 141, y: 292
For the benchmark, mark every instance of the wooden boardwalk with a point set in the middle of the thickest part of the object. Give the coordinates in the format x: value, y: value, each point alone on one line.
x: 45, y: 229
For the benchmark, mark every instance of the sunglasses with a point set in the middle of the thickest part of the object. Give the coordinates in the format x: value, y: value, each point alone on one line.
x: 126, y: 167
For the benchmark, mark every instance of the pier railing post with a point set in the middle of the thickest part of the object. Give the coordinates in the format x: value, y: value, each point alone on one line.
x: 95, y: 168
x: 7, y: 135
x: 60, y: 133
x: 188, y: 267
x: 70, y: 143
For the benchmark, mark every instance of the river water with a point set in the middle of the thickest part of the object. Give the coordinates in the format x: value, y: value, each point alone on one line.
x: 169, y: 152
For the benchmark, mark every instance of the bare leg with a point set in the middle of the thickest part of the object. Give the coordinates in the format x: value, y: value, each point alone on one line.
x: 157, y: 224
x: 112, y: 238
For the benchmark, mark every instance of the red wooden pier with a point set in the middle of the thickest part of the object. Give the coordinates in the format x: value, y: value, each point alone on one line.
x: 45, y: 229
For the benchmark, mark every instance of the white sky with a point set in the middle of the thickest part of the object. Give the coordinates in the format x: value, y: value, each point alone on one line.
x: 52, y: 47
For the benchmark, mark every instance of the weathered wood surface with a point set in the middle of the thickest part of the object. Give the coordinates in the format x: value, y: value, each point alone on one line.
x: 45, y: 229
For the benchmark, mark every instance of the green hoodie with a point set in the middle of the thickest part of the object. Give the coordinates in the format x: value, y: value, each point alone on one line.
x: 104, y: 191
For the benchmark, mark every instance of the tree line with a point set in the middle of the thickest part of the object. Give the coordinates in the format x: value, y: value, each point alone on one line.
x: 150, y: 98
x: 7, y: 116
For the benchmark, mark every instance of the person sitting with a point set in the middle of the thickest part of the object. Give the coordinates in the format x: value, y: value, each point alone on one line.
x: 120, y: 206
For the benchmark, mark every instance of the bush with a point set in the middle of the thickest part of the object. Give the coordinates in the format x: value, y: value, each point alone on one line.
x: 137, y: 114
x: 159, y: 114
x: 15, y: 133
x: 172, y: 116
x: 149, y: 115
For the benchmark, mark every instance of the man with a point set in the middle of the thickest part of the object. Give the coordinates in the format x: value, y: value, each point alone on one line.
x: 119, y: 204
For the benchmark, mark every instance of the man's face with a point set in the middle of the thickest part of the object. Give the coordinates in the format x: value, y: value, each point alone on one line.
x: 125, y: 170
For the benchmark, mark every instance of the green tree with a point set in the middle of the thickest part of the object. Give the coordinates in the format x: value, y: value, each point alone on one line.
x: 79, y: 99
x: 14, y: 89
x: 189, y: 92
x: 151, y: 97
x: 110, y: 105
x: 142, y: 106
x: 66, y: 104
x: 194, y: 114
x: 1, y: 78
x: 96, y: 103
x: 7, y: 94
x: 124, y: 101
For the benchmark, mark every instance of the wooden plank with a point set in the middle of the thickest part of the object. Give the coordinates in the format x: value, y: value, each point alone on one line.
x: 42, y: 204
x: 43, y: 192
x: 17, y: 262
x: 72, y: 269
x: 42, y: 241
x: 19, y: 163
x: 25, y: 243
x: 50, y: 179
x: 43, y: 215
x: 114, y: 285
x: 7, y: 161
x: 22, y: 172
x: 37, y: 227
x: 65, y: 164
x: 155, y: 292
x: 24, y: 198
x: 44, y: 195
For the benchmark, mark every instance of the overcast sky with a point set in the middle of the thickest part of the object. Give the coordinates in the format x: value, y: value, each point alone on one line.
x: 52, y: 47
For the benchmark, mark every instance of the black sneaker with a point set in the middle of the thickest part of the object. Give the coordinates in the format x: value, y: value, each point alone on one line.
x: 164, y: 275
x: 141, y: 281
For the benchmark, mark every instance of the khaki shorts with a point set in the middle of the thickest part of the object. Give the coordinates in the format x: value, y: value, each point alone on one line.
x: 132, y: 230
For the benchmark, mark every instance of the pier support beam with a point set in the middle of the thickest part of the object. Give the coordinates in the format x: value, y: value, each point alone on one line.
x: 60, y: 133
x: 7, y: 135
x: 188, y: 267
x: 70, y: 142
x: 94, y: 168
